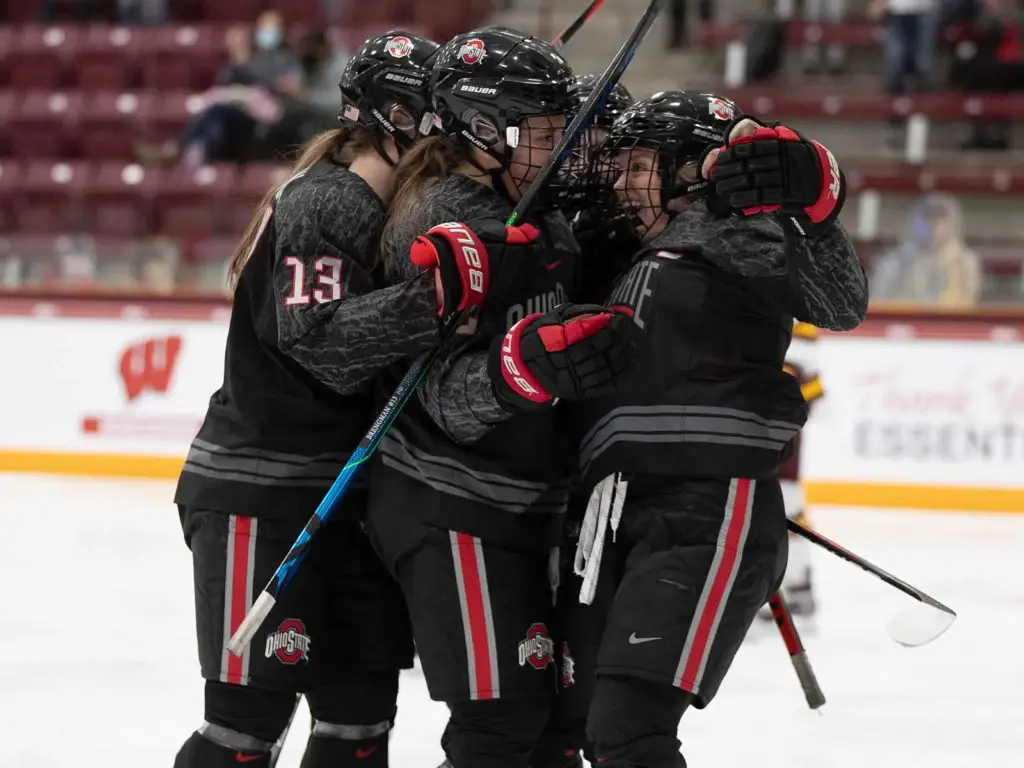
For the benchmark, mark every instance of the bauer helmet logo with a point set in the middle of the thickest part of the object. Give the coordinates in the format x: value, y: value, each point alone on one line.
x: 399, y: 47
x: 149, y: 365
x: 537, y: 650
x: 289, y: 643
x: 722, y: 109
x: 472, y: 51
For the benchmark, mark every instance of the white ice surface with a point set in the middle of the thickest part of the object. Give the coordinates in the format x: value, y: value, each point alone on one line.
x: 98, y: 647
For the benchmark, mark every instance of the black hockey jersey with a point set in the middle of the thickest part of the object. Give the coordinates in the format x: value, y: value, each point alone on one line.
x: 713, y: 301
x: 309, y: 330
x: 453, y: 457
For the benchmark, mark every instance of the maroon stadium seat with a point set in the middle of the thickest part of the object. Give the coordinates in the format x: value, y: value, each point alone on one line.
x: 11, y: 174
x: 109, y: 124
x: 49, y: 198
x: 8, y: 38
x: 183, y: 58
x: 164, y: 115
x: 43, y: 122
x: 7, y: 103
x: 108, y: 57
x: 253, y: 183
x: 41, y: 56
x: 118, y: 199
x: 237, y: 10
x: 189, y: 201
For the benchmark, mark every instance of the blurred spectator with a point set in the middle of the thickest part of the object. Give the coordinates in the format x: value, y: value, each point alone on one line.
x: 85, y: 10
x: 322, y: 67
x: 156, y: 266
x: 818, y: 12
x: 249, y: 99
x: 678, y: 28
x: 142, y: 11
x: 993, y: 64
x: 76, y: 261
x: 911, y: 28
x: 933, y: 265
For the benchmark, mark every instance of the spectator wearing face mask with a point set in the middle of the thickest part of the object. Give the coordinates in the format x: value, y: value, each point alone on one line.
x: 932, y: 265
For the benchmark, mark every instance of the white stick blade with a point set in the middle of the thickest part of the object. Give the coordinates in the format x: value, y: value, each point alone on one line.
x: 918, y: 624
x: 243, y: 635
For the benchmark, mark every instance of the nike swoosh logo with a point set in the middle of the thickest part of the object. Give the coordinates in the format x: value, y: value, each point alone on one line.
x: 552, y: 265
x: 362, y: 754
x: 241, y: 757
x: 634, y: 640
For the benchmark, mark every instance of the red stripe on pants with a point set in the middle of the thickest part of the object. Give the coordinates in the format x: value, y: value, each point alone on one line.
x: 239, y: 590
x: 477, y: 615
x: 706, y: 619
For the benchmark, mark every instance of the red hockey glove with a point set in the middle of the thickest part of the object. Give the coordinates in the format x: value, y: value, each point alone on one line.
x: 574, y: 352
x: 476, y: 260
x: 773, y: 169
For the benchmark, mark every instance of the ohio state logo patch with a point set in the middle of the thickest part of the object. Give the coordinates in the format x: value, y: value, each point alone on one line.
x: 721, y: 109
x: 568, y: 676
x: 472, y: 51
x: 537, y: 650
x: 289, y: 643
x: 399, y: 47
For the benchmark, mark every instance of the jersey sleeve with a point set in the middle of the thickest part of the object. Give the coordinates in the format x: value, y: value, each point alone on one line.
x: 828, y: 285
x: 456, y: 392
x: 331, y: 319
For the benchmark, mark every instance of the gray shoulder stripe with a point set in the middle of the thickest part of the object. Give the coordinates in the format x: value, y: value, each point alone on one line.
x: 262, y: 467
x: 555, y: 506
x: 675, y: 417
x: 675, y: 438
x: 491, y: 478
x: 256, y: 479
x: 260, y: 453
x: 439, y: 476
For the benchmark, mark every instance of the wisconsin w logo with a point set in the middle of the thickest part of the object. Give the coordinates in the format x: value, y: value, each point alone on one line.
x: 149, y: 365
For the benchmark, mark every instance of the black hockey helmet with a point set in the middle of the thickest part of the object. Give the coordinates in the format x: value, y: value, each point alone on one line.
x: 678, y: 126
x: 486, y: 81
x: 386, y: 87
x: 619, y: 100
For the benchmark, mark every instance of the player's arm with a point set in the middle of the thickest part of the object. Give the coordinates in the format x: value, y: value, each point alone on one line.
x: 573, y: 352
x: 773, y: 174
x: 331, y: 319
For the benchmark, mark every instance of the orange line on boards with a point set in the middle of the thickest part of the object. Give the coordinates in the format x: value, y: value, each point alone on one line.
x: 91, y: 464
x: 906, y: 496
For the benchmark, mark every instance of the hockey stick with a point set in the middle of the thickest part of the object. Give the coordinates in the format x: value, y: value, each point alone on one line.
x: 407, y: 386
x: 567, y: 34
x: 917, y: 625
x: 784, y: 621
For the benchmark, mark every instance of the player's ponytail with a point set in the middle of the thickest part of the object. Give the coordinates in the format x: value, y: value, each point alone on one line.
x: 338, y: 146
x: 431, y: 158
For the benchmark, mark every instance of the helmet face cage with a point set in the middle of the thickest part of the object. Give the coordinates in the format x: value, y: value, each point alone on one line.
x: 487, y: 84
x: 674, y: 129
x: 386, y: 87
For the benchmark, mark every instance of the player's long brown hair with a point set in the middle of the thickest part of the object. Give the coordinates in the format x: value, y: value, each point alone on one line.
x: 338, y: 146
x: 431, y: 158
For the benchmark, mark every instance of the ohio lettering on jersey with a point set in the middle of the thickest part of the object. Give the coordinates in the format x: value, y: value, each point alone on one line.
x: 542, y: 303
x: 634, y: 291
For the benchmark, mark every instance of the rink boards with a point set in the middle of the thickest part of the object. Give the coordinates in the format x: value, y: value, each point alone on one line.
x: 919, y: 411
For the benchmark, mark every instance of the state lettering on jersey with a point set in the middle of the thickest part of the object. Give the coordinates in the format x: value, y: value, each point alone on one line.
x: 542, y: 303
x: 634, y: 291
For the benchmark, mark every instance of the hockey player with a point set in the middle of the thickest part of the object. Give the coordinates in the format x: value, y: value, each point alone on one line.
x: 740, y: 232
x: 310, y: 326
x: 468, y: 494
x: 801, y: 362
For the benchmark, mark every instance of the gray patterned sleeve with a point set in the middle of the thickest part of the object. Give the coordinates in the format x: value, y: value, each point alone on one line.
x: 832, y: 285
x: 330, y: 319
x: 456, y: 392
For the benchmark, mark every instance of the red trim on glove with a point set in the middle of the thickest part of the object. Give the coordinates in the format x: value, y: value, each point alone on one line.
x: 523, y: 234
x: 514, y: 370
x: 557, y: 338
x: 830, y: 181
